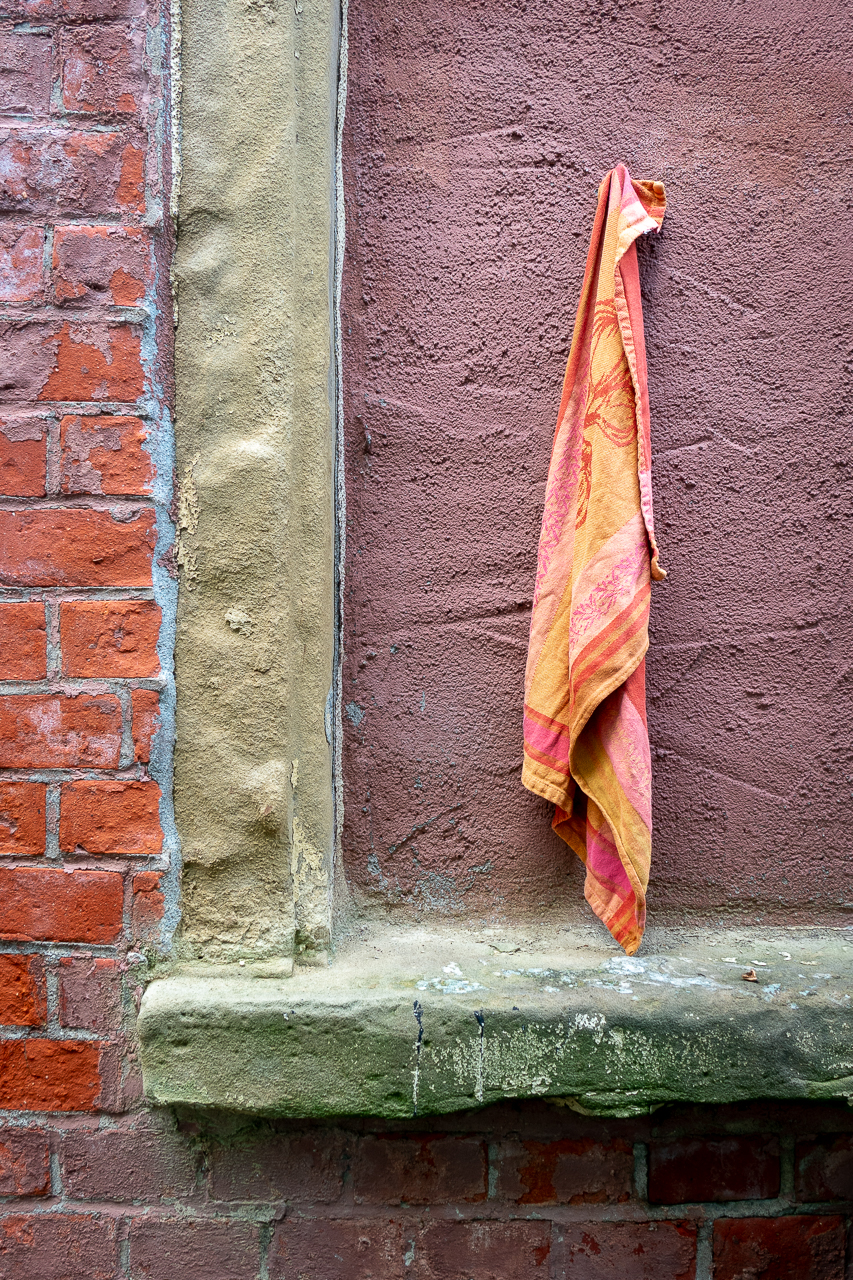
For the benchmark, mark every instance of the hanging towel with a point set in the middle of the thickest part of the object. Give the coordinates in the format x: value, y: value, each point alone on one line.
x: 586, y: 744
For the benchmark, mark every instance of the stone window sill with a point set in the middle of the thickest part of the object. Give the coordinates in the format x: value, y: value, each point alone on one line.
x: 432, y: 1022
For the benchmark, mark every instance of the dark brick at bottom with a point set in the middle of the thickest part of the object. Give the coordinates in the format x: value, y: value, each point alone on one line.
x: 625, y: 1251
x: 799, y: 1248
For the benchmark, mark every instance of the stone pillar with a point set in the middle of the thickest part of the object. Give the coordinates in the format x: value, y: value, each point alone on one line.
x: 255, y: 475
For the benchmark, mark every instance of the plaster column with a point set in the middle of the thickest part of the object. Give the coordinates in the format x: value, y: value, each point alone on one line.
x: 255, y: 475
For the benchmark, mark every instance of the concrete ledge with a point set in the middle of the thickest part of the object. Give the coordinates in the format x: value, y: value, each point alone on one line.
x: 420, y: 1023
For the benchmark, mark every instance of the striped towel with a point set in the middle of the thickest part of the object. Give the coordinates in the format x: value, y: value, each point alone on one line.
x: 586, y: 744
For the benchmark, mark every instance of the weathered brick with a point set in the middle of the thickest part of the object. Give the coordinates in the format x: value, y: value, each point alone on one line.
x: 110, y: 817
x: 23, y: 642
x: 325, y: 1249
x: 21, y: 264
x: 121, y: 1077
x: 305, y: 1168
x: 25, y: 79
x: 824, y: 1168
x: 104, y: 454
x: 50, y: 731
x: 23, y: 454
x: 22, y: 991
x: 101, y: 69
x: 99, y: 266
x: 567, y: 1171
x: 779, y: 1248
x: 89, y: 993
x: 163, y: 1249
x: 24, y: 1163
x: 51, y: 173
x: 72, y: 9
x: 143, y: 1163
x: 95, y: 362
x: 146, y: 721
x: 27, y: 355
x: 488, y: 1250
x: 428, y: 1169
x: 148, y: 903
x: 58, y: 1247
x: 76, y: 548
x: 22, y: 818
x: 110, y: 638
x: 49, y: 1075
x: 736, y: 1168
x: 629, y: 1250
x: 37, y: 904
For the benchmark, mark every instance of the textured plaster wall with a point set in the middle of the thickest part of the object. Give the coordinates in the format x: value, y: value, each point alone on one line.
x: 476, y: 137
x: 254, y: 511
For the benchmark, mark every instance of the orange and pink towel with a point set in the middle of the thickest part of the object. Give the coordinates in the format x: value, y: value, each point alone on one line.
x: 586, y: 743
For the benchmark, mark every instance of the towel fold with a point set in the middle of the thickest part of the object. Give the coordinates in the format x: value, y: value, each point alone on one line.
x: 586, y: 743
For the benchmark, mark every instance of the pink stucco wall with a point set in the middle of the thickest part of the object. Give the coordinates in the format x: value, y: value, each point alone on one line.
x: 476, y: 137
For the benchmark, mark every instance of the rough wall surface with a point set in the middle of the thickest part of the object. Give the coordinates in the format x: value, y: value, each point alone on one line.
x: 511, y: 1193
x: 255, y: 469
x: 476, y: 137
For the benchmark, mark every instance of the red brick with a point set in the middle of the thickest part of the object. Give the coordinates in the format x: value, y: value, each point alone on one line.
x: 24, y: 1163
x: 25, y: 82
x: 146, y: 721
x: 58, y: 1247
x: 49, y: 731
x: 100, y: 266
x: 23, y: 455
x: 110, y: 638
x: 37, y: 904
x: 22, y: 991
x: 110, y: 817
x: 148, y: 903
x: 420, y: 1170
x: 167, y: 1248
x: 27, y: 355
x: 101, y: 69
x: 90, y: 993
x: 130, y: 192
x: 567, y: 1171
x: 21, y: 263
x: 49, y: 172
x: 121, y: 1077
x: 713, y: 1169
x: 49, y: 1075
x: 482, y: 1251
x: 76, y: 548
x: 23, y: 641
x: 144, y: 1163
x: 627, y: 1250
x: 306, y: 1168
x: 804, y: 1248
x: 105, y: 454
x: 95, y: 362
x: 22, y: 818
x: 337, y: 1250
x: 824, y: 1168
x: 72, y: 9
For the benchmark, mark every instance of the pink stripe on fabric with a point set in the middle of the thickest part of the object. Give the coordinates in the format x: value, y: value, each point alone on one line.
x: 552, y: 740
x: 602, y: 859
x: 625, y: 739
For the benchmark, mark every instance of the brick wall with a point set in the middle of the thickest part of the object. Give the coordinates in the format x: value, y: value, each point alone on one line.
x: 510, y: 1193
x: 85, y: 384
